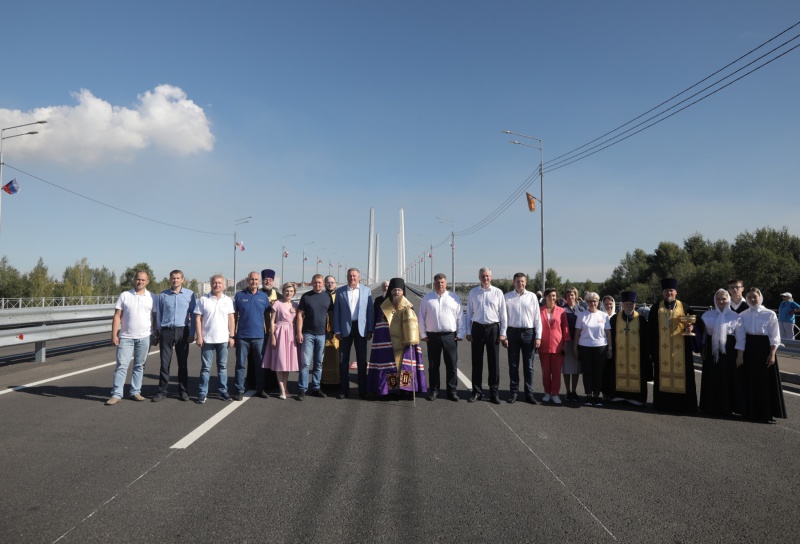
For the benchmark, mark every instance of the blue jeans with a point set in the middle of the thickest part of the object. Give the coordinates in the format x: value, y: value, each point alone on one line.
x: 521, y: 340
x: 249, y: 347
x: 137, y: 347
x: 313, y: 351
x: 207, y: 355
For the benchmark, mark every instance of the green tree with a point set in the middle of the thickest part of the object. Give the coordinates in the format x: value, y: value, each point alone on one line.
x: 158, y: 286
x: 770, y: 260
x: 713, y: 267
x: 77, y: 280
x: 126, y: 279
x: 669, y: 260
x: 40, y: 284
x: 104, y: 282
x: 194, y: 287
x: 12, y: 284
x: 553, y: 280
x: 633, y: 269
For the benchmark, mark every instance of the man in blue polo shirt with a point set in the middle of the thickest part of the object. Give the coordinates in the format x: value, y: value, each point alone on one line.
x: 252, y: 307
x: 175, y: 325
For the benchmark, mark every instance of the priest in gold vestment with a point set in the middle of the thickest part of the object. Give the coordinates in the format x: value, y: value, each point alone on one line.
x: 631, y: 366
x: 395, y: 362
x: 674, y: 387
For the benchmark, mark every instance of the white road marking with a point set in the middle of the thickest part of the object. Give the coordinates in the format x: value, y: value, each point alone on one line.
x: 468, y: 383
x: 139, y: 477
x: 62, y: 376
x: 209, y: 424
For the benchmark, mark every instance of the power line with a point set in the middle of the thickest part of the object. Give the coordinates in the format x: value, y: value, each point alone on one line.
x: 565, y: 159
x: 113, y: 207
x: 572, y: 159
x: 679, y: 94
x: 673, y: 113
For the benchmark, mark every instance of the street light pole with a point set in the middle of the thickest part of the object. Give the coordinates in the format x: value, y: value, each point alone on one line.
x: 330, y: 264
x: 540, y: 147
x: 318, y: 251
x: 303, y: 278
x: 283, y: 255
x: 1, y: 152
x: 452, y: 246
x: 236, y: 223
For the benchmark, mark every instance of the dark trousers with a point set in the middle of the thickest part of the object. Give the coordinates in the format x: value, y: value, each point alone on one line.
x: 270, y: 379
x: 520, y: 340
x: 592, y: 359
x: 176, y: 338
x: 248, y: 351
x: 439, y: 342
x: 361, y: 359
x: 485, y: 336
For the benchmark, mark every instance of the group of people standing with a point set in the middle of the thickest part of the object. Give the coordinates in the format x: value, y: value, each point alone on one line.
x: 618, y: 352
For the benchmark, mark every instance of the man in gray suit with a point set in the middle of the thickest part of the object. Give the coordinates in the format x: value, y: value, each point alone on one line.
x: 353, y: 323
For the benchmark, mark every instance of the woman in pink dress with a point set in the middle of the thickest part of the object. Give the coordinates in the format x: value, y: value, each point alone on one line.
x: 281, y: 354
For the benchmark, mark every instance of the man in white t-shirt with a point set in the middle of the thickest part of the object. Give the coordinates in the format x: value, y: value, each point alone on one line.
x: 131, y: 332
x: 215, y: 326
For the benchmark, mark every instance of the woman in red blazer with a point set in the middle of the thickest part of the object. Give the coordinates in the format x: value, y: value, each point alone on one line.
x: 555, y: 331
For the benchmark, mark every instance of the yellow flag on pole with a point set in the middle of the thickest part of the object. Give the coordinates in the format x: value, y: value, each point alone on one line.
x: 531, y: 202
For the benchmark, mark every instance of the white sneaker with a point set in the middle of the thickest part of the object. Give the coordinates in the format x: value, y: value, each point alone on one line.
x: 546, y: 397
x: 556, y: 399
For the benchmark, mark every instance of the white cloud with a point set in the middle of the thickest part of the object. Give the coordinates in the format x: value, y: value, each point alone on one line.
x: 93, y: 130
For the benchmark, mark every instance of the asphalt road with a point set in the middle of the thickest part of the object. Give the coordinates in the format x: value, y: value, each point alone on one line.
x: 327, y: 470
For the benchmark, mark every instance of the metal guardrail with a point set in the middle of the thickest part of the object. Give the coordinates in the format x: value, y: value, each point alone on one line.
x: 52, y: 302
x: 38, y: 325
x: 790, y: 346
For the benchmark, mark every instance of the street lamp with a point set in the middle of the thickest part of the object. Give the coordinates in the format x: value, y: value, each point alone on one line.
x: 303, y: 279
x: 236, y: 223
x: 284, y: 255
x: 1, y: 149
x: 452, y: 246
x: 540, y: 147
x: 330, y: 263
x: 318, y: 261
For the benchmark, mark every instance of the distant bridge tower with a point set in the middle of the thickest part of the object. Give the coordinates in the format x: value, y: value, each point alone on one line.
x: 401, y: 249
x: 371, y: 256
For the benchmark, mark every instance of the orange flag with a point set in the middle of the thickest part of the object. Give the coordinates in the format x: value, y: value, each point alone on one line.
x: 531, y: 202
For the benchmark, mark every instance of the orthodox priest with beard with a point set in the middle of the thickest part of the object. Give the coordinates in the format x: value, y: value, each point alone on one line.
x: 395, y: 363
x: 631, y: 367
x: 673, y: 362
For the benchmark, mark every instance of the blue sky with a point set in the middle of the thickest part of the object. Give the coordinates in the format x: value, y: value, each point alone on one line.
x: 304, y: 115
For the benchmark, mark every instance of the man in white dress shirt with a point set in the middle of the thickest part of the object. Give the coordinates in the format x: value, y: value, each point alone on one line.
x: 486, y: 317
x: 523, y: 334
x: 441, y: 325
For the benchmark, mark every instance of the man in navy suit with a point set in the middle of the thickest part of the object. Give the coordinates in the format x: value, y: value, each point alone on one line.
x: 353, y: 323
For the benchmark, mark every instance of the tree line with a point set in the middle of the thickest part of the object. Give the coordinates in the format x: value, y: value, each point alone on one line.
x: 766, y: 258
x: 77, y: 280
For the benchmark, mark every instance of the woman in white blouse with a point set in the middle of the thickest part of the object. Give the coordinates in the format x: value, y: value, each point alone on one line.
x: 591, y: 347
x: 762, y: 378
x: 723, y: 351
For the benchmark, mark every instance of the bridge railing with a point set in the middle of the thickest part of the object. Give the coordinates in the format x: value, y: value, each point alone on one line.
x: 38, y: 325
x: 54, y: 302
